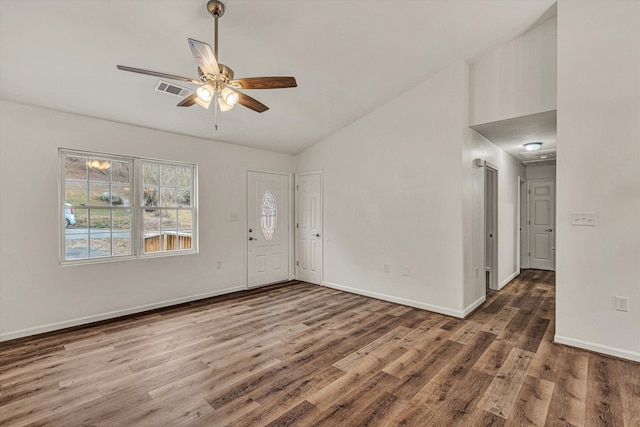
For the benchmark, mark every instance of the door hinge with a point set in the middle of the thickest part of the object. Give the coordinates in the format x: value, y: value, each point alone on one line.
x: 529, y: 222
x: 297, y: 263
x: 297, y: 225
x: 297, y: 187
x: 529, y: 191
x: 529, y: 254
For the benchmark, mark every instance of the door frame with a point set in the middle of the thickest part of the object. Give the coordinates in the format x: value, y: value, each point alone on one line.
x: 245, y: 233
x: 522, y: 230
x: 493, y: 273
x: 295, y: 217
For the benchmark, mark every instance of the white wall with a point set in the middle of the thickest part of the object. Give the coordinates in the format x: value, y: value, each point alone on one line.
x: 393, y: 195
x: 37, y: 295
x: 599, y: 103
x: 509, y: 172
x: 517, y: 78
x: 541, y: 172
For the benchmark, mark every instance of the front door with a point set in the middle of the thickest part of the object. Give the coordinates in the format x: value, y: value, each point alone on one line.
x: 309, y: 227
x: 542, y: 234
x: 268, y: 228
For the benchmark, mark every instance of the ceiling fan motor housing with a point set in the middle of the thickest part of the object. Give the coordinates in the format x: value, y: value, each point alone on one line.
x: 215, y: 8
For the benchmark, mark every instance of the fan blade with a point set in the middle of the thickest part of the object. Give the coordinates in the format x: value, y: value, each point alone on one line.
x: 157, y: 74
x: 251, y: 103
x: 264, y: 82
x: 204, y: 56
x: 188, y: 101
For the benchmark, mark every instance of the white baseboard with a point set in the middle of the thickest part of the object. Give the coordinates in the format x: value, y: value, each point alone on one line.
x: 112, y: 314
x: 508, y: 279
x: 397, y: 300
x: 598, y: 348
x: 474, y: 305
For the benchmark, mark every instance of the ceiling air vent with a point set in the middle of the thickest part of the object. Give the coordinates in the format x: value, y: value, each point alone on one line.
x: 172, y: 89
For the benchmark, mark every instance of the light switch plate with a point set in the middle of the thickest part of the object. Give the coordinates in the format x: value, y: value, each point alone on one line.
x: 234, y: 216
x: 583, y: 218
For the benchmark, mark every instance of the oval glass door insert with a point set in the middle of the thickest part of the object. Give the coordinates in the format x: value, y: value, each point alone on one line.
x: 269, y: 215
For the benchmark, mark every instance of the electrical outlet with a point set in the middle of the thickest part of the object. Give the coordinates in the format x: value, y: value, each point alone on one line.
x: 219, y: 265
x: 622, y: 303
x: 386, y: 268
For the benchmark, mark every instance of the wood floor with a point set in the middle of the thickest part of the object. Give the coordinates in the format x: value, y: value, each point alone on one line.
x: 304, y: 355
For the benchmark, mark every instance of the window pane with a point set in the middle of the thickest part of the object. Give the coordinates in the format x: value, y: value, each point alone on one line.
x: 268, y: 216
x: 184, y: 220
x: 82, y: 219
x: 167, y: 197
x: 183, y: 177
x: 99, y: 194
x: 183, y: 196
x: 76, y: 245
x: 150, y: 196
x: 168, y: 175
x: 99, y: 247
x: 99, y: 220
x: 122, y: 246
x: 184, y: 229
x: 120, y: 195
x: 150, y: 172
x: 99, y: 170
x: 75, y: 167
x: 121, y: 231
x: 151, y: 220
x: 75, y: 192
x: 120, y: 171
x: 169, y: 219
x: 121, y: 219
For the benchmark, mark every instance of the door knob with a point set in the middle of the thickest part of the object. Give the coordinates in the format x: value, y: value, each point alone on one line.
x: 252, y: 238
x: 317, y: 235
x: 549, y: 230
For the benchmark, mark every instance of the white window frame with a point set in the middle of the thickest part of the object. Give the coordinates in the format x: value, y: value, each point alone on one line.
x: 135, y: 204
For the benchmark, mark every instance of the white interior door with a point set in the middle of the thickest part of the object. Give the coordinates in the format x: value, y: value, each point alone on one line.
x: 268, y: 228
x: 309, y: 227
x: 542, y: 234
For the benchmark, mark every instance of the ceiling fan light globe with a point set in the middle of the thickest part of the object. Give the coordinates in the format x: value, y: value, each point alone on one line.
x: 533, y: 146
x: 204, y: 93
x: 202, y: 103
x: 223, y: 105
x: 230, y: 97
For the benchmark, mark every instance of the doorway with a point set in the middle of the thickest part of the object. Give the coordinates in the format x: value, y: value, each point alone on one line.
x: 268, y: 228
x: 308, y: 229
x: 491, y: 226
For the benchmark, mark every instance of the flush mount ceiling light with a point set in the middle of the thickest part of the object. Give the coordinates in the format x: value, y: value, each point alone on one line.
x: 216, y: 81
x: 533, y: 146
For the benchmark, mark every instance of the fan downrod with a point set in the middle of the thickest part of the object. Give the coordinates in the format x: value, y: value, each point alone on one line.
x: 215, y: 8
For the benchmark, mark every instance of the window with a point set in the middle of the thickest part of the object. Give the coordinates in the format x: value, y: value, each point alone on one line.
x: 269, y: 215
x: 116, y: 207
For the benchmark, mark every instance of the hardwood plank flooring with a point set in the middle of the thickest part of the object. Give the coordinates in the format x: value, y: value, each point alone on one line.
x: 303, y: 355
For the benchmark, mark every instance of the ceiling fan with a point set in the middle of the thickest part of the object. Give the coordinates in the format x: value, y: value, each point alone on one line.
x: 216, y: 80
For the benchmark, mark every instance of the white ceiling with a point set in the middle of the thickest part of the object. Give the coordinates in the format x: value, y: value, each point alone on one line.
x: 349, y: 57
x: 512, y: 134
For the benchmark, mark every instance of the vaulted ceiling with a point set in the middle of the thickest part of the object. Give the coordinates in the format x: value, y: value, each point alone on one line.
x: 349, y: 57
